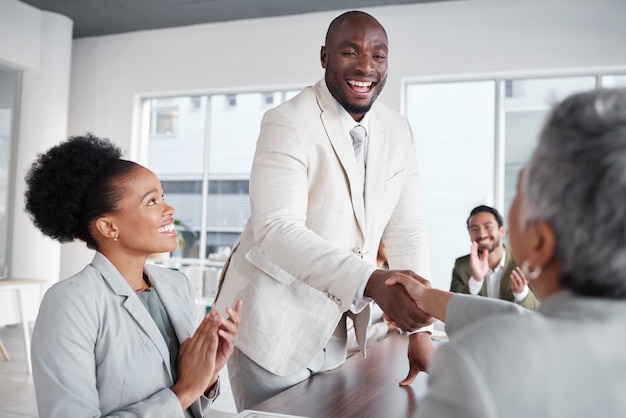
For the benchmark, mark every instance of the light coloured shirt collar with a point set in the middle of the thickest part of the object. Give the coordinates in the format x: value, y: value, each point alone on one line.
x: 346, y: 120
x: 348, y: 123
x: 500, y: 265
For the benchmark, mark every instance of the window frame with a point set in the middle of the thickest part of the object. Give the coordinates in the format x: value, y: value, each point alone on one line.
x: 499, y: 78
x: 142, y: 130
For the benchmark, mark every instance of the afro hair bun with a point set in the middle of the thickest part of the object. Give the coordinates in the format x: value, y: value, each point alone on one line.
x: 58, y: 180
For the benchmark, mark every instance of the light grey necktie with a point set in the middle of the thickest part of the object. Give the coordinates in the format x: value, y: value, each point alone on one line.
x: 358, y: 135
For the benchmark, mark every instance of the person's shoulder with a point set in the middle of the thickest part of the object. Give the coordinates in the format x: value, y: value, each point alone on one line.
x: 305, y: 96
x: 379, y: 109
x: 462, y: 261
x: 302, y: 103
x: 79, y: 289
x: 89, y: 276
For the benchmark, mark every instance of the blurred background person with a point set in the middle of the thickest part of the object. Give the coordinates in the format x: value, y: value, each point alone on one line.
x: 567, y: 228
x: 489, y: 269
x: 107, y: 341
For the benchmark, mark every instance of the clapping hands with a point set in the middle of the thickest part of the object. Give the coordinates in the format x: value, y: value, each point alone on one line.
x: 478, y: 262
x: 518, y: 280
x: 201, y: 357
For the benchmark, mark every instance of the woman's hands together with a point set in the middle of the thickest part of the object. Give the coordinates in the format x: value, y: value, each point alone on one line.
x: 201, y: 357
x: 227, y: 336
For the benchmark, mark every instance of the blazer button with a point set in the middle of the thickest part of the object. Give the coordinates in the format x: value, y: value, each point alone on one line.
x: 357, y: 250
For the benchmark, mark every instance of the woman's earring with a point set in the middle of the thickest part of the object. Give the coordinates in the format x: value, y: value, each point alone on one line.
x: 530, y: 275
x: 115, y: 239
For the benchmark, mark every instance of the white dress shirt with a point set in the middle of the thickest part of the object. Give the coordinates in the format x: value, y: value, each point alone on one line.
x: 494, y: 278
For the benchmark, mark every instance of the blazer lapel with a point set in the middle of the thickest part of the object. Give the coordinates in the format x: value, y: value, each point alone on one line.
x: 343, y: 149
x: 506, y: 293
x: 182, y: 321
x: 133, y: 305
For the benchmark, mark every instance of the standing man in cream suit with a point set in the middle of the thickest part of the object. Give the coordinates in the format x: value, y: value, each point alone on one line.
x: 307, y: 257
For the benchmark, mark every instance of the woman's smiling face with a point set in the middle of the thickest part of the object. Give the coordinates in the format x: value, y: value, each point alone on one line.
x: 145, y: 222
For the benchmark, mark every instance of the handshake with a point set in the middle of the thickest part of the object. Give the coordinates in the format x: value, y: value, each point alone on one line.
x: 408, y: 300
x: 404, y: 297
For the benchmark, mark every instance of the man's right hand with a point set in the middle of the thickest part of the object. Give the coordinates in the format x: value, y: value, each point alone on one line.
x: 478, y: 262
x: 395, y: 301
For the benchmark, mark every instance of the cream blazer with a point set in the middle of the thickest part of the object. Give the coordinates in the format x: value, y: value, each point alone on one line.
x: 97, y: 351
x: 312, y: 236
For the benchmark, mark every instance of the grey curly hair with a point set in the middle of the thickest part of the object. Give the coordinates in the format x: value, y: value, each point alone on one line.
x: 576, y: 181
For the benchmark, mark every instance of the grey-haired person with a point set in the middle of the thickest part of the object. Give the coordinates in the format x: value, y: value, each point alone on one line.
x: 567, y: 230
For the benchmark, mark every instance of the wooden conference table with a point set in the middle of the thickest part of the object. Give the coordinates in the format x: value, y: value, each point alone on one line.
x: 360, y: 388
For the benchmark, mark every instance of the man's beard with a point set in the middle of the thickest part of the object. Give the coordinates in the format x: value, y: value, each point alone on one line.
x: 355, y: 109
x: 338, y: 93
x: 496, y: 244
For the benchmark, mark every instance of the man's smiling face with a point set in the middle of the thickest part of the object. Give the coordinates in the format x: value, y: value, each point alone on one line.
x: 355, y: 59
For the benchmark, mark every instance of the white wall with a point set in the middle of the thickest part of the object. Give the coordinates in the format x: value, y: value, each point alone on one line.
x: 21, y: 24
x: 442, y: 38
x: 39, y: 43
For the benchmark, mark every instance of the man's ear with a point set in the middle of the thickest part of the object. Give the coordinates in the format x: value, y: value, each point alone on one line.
x: 542, y: 240
x: 106, y: 227
x: 503, y: 231
x: 323, y: 56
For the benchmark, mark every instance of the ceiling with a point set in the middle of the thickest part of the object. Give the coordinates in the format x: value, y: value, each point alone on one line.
x: 106, y: 17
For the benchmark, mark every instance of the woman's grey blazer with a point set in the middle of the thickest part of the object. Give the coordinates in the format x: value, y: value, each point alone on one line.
x: 97, y: 351
x: 567, y: 360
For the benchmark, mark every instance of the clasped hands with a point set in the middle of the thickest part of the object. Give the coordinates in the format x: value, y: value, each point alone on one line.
x: 388, y: 289
x: 201, y: 357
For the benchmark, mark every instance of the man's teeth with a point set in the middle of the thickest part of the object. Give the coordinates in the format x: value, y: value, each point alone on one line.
x: 360, y: 83
x: 167, y: 228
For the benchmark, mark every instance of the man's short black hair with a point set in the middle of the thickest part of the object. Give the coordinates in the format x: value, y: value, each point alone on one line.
x: 489, y: 209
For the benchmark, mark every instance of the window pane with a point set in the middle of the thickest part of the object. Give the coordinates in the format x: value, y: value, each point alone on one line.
x: 8, y: 94
x: 524, y: 108
x: 178, y: 160
x: 454, y: 125
x: 234, y: 131
x: 177, y: 147
x: 165, y: 121
x: 614, y: 80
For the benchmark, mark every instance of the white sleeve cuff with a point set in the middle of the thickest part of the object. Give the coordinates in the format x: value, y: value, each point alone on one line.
x: 427, y: 328
x: 519, y: 297
x: 474, y: 285
x: 360, y: 302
